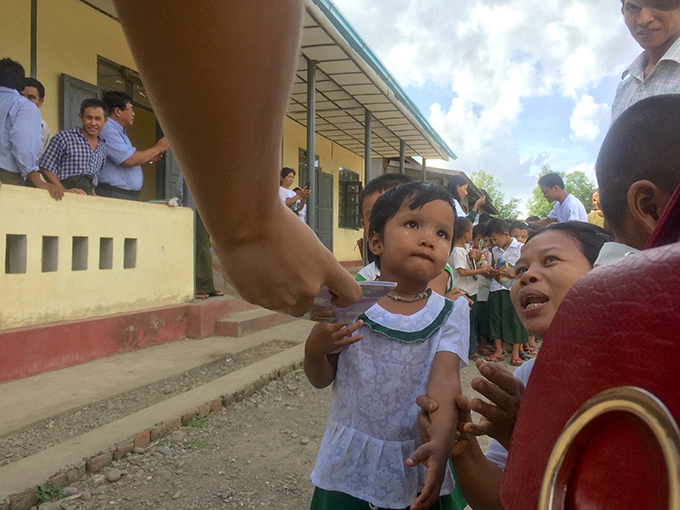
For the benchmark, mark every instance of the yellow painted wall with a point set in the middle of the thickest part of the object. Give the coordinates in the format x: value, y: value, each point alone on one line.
x: 70, y: 37
x: 15, y: 34
x: 330, y: 157
x: 164, y: 268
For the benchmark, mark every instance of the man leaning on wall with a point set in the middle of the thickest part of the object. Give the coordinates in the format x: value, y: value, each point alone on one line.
x: 19, y: 132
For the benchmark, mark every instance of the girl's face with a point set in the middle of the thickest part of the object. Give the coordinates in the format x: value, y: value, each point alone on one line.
x: 462, y: 191
x: 287, y: 181
x: 550, y: 265
x: 416, y: 243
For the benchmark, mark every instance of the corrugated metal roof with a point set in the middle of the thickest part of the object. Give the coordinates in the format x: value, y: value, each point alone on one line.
x: 349, y: 79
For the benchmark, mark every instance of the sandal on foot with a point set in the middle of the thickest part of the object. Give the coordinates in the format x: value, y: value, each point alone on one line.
x: 475, y: 357
x: 494, y: 358
x: 516, y: 362
x: 202, y: 296
x: 484, y: 352
x: 215, y: 293
x: 524, y: 355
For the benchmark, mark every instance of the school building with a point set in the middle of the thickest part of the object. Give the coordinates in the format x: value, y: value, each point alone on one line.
x: 88, y: 276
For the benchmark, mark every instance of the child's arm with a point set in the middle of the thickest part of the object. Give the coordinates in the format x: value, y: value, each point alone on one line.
x: 484, y: 270
x: 320, y: 364
x: 444, y: 382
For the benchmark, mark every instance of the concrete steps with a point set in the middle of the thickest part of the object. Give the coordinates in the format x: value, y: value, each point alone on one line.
x: 249, y: 322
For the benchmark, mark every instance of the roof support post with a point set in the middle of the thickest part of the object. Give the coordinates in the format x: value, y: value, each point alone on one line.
x: 401, y: 156
x: 311, y: 147
x: 34, y: 38
x: 424, y: 170
x: 367, y: 163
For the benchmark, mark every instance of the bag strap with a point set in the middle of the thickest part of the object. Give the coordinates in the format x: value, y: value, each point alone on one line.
x: 578, y: 431
x: 667, y: 231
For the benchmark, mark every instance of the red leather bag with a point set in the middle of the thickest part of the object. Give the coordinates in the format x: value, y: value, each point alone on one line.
x: 600, y: 426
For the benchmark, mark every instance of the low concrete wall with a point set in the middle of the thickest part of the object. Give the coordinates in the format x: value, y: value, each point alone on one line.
x: 85, y: 257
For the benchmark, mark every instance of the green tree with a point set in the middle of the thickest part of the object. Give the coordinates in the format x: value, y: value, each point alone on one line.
x: 506, y: 210
x: 576, y: 183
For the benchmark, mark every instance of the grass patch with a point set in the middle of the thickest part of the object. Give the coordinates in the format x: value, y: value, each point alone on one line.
x: 197, y: 422
x: 50, y: 492
x: 198, y: 444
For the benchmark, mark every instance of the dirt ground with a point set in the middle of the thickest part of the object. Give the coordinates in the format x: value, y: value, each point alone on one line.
x: 256, y: 454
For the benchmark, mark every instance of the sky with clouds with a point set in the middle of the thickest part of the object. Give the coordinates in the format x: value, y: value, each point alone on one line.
x: 510, y: 85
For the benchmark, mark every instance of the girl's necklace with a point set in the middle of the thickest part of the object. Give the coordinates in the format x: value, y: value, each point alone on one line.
x: 421, y: 295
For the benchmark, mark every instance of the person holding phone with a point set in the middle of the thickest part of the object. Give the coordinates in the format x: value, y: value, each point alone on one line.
x: 295, y: 199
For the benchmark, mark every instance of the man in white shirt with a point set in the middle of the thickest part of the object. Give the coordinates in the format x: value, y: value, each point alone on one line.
x: 655, y: 25
x: 34, y: 91
x: 567, y: 208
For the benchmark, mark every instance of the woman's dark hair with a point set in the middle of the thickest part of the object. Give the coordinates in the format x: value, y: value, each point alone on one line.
x: 454, y: 182
x: 285, y: 171
x: 589, y: 238
x: 416, y: 195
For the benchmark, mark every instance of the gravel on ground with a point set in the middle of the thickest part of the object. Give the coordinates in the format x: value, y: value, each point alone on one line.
x: 255, y: 454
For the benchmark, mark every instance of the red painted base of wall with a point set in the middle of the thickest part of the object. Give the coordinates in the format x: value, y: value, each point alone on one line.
x: 36, y: 349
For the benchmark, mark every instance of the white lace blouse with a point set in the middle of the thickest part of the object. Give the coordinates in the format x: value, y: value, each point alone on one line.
x: 372, y: 426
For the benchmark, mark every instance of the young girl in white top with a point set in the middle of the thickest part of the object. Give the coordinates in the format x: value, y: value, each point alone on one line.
x: 410, y: 342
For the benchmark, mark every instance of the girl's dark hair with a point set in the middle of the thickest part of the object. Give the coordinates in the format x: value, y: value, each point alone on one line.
x: 416, y: 195
x: 454, y: 182
x: 589, y: 238
x: 285, y: 171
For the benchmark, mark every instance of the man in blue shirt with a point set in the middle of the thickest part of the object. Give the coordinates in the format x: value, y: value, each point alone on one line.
x: 75, y: 157
x: 122, y: 175
x: 19, y: 132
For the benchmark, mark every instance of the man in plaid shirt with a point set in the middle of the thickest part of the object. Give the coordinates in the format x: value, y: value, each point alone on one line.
x: 75, y: 156
x: 655, y: 25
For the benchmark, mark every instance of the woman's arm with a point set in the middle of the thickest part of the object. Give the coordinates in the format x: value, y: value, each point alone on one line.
x: 478, y: 477
x: 229, y: 145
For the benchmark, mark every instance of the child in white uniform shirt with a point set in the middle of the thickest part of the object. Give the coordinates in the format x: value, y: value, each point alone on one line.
x: 413, y: 340
x: 505, y: 325
x: 466, y: 275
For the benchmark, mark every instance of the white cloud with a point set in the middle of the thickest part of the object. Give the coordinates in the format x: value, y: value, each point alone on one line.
x: 493, y: 55
x: 586, y: 168
x: 588, y: 119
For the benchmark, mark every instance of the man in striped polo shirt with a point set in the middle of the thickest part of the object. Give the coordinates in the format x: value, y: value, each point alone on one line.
x: 74, y: 157
x: 655, y: 25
